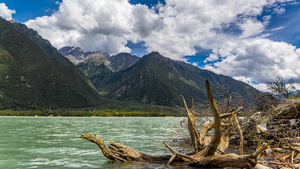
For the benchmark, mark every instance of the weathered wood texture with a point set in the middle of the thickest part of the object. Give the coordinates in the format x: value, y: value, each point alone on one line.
x: 208, y: 151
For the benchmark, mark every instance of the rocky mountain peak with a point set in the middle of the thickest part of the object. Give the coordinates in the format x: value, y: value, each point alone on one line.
x: 12, y: 21
x: 76, y: 52
x: 100, y: 54
x: 155, y: 55
x: 115, y: 63
x: 77, y: 55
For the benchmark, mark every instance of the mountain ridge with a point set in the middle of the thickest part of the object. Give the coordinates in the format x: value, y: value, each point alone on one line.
x: 37, y: 75
x: 116, y: 62
x: 34, y: 75
x: 155, y: 79
x: 77, y: 55
x: 69, y: 70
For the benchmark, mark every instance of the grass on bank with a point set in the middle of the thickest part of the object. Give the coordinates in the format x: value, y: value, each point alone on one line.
x: 107, y: 109
x: 83, y: 113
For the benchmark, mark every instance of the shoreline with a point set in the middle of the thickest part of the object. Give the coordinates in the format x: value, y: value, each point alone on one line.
x: 94, y: 116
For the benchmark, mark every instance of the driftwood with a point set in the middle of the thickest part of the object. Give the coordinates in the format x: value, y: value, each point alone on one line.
x: 208, y: 151
x: 279, y: 122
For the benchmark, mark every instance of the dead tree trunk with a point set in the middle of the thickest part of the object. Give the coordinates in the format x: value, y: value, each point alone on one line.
x: 205, y: 154
x: 192, y: 128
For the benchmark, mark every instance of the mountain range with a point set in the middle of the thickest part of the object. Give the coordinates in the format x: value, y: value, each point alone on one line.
x: 34, y: 74
x: 115, y: 63
x: 155, y: 79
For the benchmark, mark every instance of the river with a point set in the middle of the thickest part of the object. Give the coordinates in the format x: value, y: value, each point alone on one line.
x: 53, y: 142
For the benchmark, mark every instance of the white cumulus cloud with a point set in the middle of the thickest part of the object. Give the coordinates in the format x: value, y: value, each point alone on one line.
x: 97, y: 25
x: 260, y: 86
x: 175, y: 29
x: 5, y: 12
x: 178, y: 28
x: 261, y: 59
x: 206, y: 24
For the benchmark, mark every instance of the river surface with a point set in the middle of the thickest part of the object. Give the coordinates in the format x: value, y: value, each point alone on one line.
x: 53, y: 142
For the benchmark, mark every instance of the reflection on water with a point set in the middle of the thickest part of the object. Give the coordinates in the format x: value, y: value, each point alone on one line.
x: 53, y: 142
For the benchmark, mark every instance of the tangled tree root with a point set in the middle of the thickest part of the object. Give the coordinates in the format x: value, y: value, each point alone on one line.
x: 207, y: 151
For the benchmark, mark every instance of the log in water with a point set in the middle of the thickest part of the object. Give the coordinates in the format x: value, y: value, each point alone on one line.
x: 53, y: 142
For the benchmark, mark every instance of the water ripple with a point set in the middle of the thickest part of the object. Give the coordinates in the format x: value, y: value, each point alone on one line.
x: 54, y: 143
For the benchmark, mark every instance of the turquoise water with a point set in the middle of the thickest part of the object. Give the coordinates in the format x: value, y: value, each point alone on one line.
x: 53, y: 142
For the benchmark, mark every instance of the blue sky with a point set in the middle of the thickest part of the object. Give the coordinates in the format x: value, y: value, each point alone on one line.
x: 30, y: 9
x: 250, y: 40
